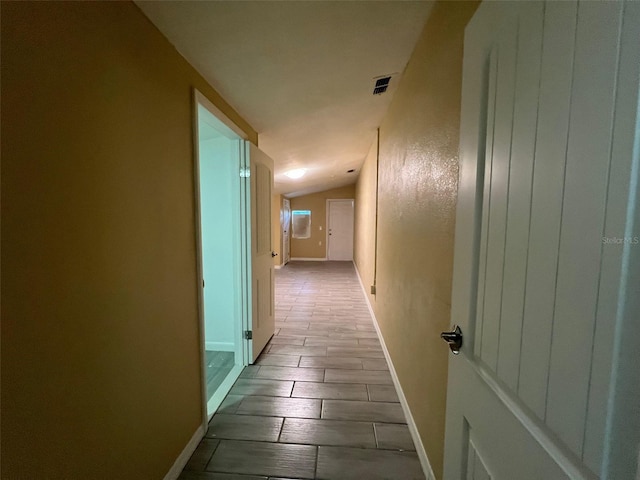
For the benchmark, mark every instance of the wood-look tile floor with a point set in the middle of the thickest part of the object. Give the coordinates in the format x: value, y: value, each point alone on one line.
x: 319, y: 403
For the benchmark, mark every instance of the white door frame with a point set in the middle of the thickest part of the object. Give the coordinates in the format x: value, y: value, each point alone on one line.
x: 199, y: 99
x: 328, y: 217
x: 286, y: 244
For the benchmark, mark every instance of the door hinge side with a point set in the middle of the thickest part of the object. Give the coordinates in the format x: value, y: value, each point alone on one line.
x: 248, y: 335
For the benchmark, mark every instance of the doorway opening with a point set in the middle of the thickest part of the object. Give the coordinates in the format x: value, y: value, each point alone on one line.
x: 222, y: 258
x: 286, y: 226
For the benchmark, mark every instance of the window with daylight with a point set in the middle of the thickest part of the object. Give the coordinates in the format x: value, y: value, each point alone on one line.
x: 301, y: 222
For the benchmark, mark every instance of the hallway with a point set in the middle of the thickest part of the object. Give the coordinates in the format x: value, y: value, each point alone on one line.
x: 320, y: 402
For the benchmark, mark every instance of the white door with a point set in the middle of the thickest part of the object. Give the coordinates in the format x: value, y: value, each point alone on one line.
x: 546, y: 257
x: 340, y: 230
x: 262, y: 286
x: 286, y: 226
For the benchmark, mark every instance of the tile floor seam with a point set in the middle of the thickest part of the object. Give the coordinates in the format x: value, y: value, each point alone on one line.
x: 211, y: 456
x: 281, y: 442
x: 281, y: 429
x: 375, y: 434
x: 315, y: 467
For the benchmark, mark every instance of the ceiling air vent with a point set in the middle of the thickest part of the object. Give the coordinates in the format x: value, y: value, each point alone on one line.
x: 381, y: 85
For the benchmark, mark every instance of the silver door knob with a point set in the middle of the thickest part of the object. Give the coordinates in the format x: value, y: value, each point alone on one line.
x: 454, y: 339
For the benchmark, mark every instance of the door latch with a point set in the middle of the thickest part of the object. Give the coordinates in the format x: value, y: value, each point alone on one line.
x: 454, y: 339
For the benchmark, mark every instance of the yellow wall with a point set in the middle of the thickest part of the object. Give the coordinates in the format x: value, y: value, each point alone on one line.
x: 365, y: 221
x: 315, y: 247
x: 276, y: 229
x: 417, y: 195
x: 100, y: 354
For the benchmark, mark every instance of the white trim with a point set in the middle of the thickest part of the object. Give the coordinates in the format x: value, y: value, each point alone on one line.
x: 185, y: 455
x: 278, y: 267
x: 220, y: 346
x: 413, y: 429
x: 246, y: 258
x: 221, y: 392
x: 199, y: 265
x: 309, y: 259
x: 219, y: 114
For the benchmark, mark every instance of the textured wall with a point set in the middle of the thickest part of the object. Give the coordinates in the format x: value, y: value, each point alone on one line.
x: 316, y: 246
x: 417, y: 194
x: 365, y: 220
x: 100, y: 355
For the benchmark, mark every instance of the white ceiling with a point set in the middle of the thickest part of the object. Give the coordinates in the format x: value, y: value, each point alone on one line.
x: 300, y: 72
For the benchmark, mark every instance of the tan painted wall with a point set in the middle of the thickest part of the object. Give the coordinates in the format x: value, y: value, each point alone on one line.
x: 100, y: 354
x: 276, y: 229
x: 365, y: 221
x: 315, y: 247
x: 417, y: 194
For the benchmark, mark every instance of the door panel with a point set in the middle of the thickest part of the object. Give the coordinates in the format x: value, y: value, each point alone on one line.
x: 583, y: 217
x: 476, y: 466
x: 546, y: 202
x: 263, y: 320
x: 340, y: 233
x: 541, y: 188
x: 526, y: 94
x: 496, y: 180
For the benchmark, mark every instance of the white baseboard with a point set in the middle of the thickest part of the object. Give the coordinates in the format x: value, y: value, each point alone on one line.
x: 309, y: 259
x: 185, y: 455
x: 278, y: 267
x: 221, y: 392
x: 219, y: 346
x: 413, y: 429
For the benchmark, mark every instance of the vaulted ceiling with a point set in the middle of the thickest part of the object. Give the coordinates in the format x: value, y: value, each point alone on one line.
x: 300, y: 72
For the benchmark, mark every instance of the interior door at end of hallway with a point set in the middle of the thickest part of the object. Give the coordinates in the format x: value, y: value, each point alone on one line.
x: 340, y: 230
x: 262, y: 278
x: 549, y: 108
